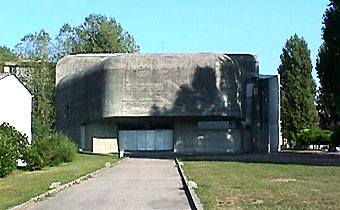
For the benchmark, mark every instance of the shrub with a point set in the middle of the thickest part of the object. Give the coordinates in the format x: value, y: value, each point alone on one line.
x: 13, y: 145
x: 65, y: 148
x: 308, y: 137
x: 34, y: 159
x: 335, y: 137
x: 322, y: 137
x: 53, y: 149
x: 40, y: 153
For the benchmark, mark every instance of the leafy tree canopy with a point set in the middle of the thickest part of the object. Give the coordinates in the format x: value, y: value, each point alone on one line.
x: 37, y: 72
x: 6, y: 55
x: 98, y: 34
x: 328, y: 63
x: 297, y: 88
x: 35, y: 46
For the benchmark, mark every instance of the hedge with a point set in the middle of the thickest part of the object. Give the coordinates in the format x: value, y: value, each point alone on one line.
x: 13, y: 145
x: 335, y: 137
x: 53, y: 149
x: 308, y: 137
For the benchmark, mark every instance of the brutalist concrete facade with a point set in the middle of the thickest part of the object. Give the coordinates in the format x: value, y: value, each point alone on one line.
x: 211, y: 103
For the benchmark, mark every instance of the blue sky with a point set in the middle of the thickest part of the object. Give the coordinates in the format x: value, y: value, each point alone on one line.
x: 183, y: 26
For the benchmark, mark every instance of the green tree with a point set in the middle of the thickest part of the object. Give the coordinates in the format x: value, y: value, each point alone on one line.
x: 43, y: 83
x: 297, y: 88
x: 38, y: 74
x: 13, y: 145
x: 6, y: 55
x: 98, y: 34
x: 35, y: 46
x: 324, y: 122
x: 328, y: 64
x: 65, y: 42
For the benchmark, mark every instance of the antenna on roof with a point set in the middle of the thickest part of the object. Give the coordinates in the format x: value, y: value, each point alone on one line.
x: 162, y: 47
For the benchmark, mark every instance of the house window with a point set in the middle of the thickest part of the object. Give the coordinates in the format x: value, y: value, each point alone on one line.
x: 12, y: 70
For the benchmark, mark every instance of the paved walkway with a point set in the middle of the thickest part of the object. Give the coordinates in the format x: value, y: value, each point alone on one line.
x: 136, y: 183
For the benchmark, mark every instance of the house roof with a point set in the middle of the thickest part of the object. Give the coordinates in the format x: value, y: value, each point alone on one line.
x: 3, y: 75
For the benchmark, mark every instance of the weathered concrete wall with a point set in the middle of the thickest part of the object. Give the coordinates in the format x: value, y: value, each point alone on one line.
x: 97, y: 129
x: 174, y: 85
x: 274, y: 114
x: 185, y: 137
x: 248, y: 123
x: 264, y: 107
x: 259, y: 127
x: 221, y: 141
x: 189, y: 139
x: 72, y: 64
x: 91, y: 88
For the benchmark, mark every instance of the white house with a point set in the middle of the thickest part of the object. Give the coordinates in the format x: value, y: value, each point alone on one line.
x: 15, y: 104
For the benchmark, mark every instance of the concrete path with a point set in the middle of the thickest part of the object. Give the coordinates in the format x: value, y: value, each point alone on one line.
x: 137, y: 183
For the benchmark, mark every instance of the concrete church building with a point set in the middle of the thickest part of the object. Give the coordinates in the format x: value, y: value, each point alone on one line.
x: 185, y: 103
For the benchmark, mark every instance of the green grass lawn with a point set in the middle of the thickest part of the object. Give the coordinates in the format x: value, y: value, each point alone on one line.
x: 234, y: 185
x: 21, y: 185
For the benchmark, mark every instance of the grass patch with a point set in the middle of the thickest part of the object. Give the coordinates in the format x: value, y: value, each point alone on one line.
x: 22, y: 185
x: 234, y: 185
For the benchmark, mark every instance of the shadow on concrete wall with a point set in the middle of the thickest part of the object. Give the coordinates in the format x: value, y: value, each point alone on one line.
x: 201, y: 97
x: 212, y: 92
x: 232, y: 85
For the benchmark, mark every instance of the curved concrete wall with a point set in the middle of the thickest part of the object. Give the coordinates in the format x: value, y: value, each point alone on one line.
x: 92, y: 88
